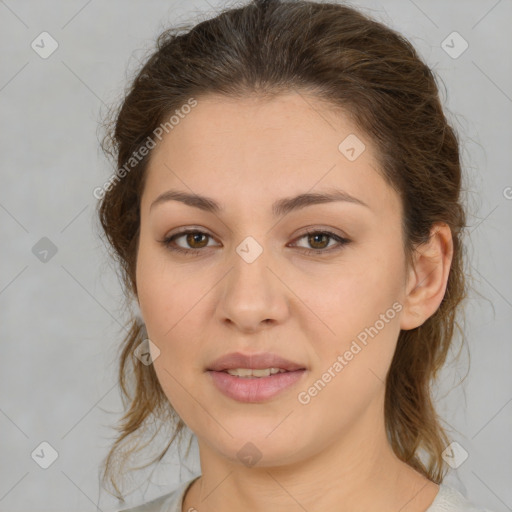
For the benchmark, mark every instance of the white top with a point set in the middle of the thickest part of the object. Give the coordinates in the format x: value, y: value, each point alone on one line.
x: 448, y: 499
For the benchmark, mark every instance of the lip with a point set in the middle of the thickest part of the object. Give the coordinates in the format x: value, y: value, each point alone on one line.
x: 254, y: 362
x: 254, y: 389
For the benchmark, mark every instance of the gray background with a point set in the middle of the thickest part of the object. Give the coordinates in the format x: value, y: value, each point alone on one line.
x: 60, y: 319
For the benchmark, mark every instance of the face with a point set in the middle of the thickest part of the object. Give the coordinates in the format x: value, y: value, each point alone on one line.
x: 317, y: 283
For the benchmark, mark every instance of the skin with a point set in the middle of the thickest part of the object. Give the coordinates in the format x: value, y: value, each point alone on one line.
x: 331, y: 454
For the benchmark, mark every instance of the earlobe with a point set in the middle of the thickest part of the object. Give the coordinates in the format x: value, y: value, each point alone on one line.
x: 427, y: 280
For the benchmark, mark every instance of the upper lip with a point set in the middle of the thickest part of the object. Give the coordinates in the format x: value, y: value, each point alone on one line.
x: 254, y: 362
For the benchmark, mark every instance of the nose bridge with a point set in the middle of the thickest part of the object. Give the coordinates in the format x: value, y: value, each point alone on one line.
x: 252, y: 294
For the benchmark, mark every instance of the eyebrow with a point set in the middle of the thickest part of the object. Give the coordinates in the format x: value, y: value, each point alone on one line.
x: 279, y: 208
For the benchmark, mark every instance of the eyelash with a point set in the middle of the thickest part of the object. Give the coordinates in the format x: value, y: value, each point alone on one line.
x: 167, y: 242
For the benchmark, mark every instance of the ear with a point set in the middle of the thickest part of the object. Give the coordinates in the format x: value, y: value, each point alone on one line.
x: 427, y: 279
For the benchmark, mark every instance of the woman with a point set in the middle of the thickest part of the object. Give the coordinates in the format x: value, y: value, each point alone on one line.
x: 286, y: 214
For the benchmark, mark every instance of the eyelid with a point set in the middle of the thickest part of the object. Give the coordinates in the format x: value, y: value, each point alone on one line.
x: 168, y: 239
x: 188, y: 229
x: 322, y: 229
x: 304, y: 231
x: 340, y: 240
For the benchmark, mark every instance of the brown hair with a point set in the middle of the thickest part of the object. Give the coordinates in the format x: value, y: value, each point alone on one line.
x: 373, y: 74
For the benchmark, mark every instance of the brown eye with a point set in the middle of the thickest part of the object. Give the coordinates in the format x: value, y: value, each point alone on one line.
x: 319, y: 241
x: 193, y: 238
x: 314, y: 240
x: 196, y: 242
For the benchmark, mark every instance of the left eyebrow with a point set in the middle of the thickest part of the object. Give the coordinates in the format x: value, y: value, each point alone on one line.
x: 280, y: 207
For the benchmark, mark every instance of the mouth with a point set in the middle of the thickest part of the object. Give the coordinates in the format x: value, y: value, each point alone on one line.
x: 254, y: 365
x: 247, y: 373
x: 252, y: 378
x: 252, y: 388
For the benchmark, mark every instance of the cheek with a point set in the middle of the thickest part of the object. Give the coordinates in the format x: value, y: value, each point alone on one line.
x: 352, y: 296
x: 359, y: 310
x: 170, y: 302
x: 159, y: 307
x: 159, y: 293
x: 167, y: 306
x: 354, y: 353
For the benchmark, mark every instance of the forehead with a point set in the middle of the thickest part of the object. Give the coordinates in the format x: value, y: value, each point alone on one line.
x: 278, y: 129
x: 255, y: 148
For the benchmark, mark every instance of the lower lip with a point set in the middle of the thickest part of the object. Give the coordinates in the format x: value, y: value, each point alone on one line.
x: 254, y: 389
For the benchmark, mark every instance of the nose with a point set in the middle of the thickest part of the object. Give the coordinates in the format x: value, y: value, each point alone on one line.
x: 253, y: 295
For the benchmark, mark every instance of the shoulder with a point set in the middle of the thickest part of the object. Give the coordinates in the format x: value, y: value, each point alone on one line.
x: 170, y: 502
x: 449, y: 499
x: 157, y: 505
